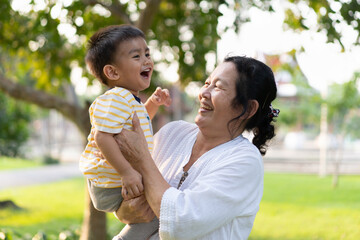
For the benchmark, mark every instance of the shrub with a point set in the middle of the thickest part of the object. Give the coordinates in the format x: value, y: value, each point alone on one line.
x: 15, y: 117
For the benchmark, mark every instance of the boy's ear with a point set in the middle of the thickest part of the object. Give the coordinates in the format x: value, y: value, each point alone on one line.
x: 111, y: 72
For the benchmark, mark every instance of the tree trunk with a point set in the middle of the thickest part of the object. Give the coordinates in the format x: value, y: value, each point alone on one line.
x: 148, y: 14
x: 337, y: 162
x: 94, y: 222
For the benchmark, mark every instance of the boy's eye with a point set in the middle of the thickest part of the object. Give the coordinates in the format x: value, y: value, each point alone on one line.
x: 136, y: 56
x: 147, y: 54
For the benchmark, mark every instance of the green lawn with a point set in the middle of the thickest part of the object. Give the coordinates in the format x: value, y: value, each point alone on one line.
x: 49, y: 208
x: 294, y: 207
x: 305, y: 207
x: 7, y: 163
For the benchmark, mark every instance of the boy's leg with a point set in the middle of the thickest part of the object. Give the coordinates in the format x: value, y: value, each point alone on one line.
x: 105, y: 199
x: 138, y: 231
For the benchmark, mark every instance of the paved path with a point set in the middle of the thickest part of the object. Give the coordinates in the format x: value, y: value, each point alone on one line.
x: 273, y: 162
x: 278, y: 159
x: 38, y: 175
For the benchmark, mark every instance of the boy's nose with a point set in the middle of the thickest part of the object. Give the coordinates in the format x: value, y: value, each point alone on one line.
x: 147, y: 61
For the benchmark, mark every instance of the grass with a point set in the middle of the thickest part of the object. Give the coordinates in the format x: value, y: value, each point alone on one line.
x: 302, y: 207
x: 294, y: 207
x: 49, y: 208
x: 7, y: 163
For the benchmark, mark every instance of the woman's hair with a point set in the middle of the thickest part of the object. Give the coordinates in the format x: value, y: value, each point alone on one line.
x: 255, y: 82
x: 103, y: 45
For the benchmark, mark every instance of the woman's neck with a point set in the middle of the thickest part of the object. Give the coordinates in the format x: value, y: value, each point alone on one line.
x: 203, y: 144
x: 207, y: 142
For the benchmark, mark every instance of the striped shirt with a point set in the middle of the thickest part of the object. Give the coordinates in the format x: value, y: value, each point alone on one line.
x: 111, y: 112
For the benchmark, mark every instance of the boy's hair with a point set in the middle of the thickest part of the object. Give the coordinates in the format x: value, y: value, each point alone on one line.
x: 103, y: 44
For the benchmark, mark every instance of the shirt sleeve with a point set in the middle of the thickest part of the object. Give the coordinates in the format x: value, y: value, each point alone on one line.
x: 110, y: 113
x: 231, y: 189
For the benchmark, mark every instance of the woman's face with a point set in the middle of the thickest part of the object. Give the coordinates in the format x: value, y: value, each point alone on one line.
x: 215, y: 99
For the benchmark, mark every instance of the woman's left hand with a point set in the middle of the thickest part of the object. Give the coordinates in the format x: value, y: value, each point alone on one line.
x: 136, y: 210
x: 133, y: 144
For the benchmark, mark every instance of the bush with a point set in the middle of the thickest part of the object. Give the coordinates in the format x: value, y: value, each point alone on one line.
x: 15, y: 117
x: 48, y: 160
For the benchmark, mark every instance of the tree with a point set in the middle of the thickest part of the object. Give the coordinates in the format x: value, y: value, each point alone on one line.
x: 299, y: 111
x: 332, y: 17
x: 42, y: 42
x: 344, y: 117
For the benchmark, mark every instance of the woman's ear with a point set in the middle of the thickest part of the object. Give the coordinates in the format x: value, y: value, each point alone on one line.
x: 252, y: 109
x: 111, y: 72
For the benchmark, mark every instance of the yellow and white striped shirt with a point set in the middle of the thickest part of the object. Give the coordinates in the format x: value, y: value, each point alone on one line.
x: 111, y: 112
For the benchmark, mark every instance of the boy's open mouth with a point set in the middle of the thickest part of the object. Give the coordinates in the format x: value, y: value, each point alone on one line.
x: 145, y: 73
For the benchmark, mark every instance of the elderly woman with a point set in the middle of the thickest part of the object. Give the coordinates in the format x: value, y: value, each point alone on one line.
x: 205, y: 180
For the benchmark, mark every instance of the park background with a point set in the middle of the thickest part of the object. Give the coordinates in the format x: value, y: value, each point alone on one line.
x: 312, y: 167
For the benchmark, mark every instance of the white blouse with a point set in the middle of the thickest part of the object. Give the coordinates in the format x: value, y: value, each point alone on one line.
x: 220, y: 196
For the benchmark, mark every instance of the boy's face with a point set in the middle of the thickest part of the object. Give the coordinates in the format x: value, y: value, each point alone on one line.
x: 134, y: 65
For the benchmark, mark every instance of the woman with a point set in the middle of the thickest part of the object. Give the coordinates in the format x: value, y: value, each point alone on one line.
x: 205, y: 180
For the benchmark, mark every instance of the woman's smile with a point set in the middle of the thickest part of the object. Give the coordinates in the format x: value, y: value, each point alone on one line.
x: 205, y: 107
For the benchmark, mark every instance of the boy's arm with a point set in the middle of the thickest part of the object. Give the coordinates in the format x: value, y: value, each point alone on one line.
x: 151, y: 108
x: 131, y: 179
x: 158, y: 98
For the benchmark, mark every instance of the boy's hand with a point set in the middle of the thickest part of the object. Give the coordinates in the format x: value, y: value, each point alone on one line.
x: 132, y: 185
x: 161, y: 97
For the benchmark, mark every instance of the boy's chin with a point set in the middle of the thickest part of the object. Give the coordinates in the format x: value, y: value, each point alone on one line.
x: 146, y: 86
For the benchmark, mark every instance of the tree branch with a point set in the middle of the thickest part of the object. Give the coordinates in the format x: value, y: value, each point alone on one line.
x: 42, y: 99
x: 116, y: 8
x: 147, y: 15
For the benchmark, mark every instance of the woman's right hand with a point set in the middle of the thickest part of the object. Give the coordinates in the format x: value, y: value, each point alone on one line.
x: 136, y: 210
x: 133, y: 144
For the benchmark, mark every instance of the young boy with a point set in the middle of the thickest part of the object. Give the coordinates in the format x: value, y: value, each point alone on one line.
x: 120, y: 58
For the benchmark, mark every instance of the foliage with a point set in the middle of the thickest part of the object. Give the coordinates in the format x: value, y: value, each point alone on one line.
x: 184, y: 31
x: 301, y: 110
x: 352, y: 128
x: 343, y: 103
x: 331, y: 17
x: 14, y: 124
x: 70, y: 234
x: 49, y: 160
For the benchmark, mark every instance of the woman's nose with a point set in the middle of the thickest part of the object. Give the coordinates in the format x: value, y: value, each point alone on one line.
x: 204, y: 92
